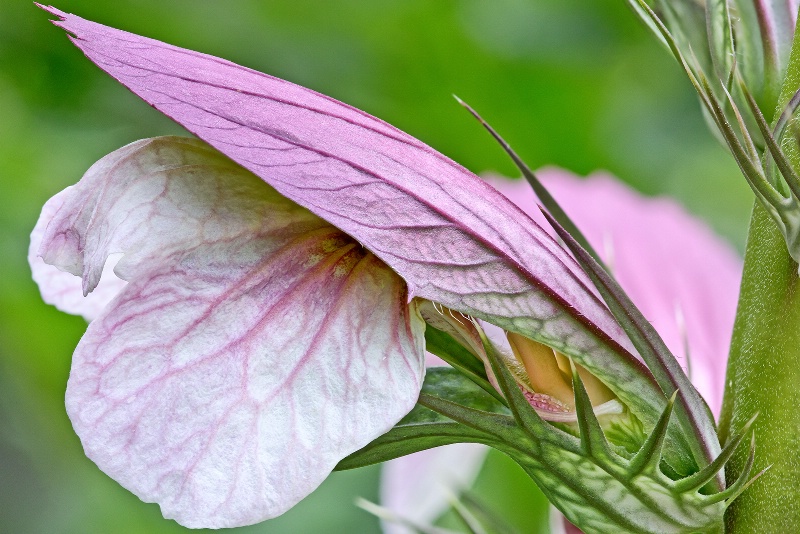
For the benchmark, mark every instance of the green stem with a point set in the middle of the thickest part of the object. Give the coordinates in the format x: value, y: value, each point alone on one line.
x: 764, y: 377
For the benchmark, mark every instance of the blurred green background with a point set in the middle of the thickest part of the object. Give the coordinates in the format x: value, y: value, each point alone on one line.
x: 574, y: 83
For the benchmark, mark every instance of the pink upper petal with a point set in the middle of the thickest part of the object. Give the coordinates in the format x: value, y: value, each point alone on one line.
x: 62, y: 289
x: 454, y: 239
x: 254, y: 345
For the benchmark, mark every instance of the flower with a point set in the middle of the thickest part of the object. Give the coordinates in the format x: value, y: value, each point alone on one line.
x: 275, y: 271
x: 683, y: 278
x: 242, y: 310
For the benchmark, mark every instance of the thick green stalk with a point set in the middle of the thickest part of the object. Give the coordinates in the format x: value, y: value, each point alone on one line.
x: 764, y: 367
x: 764, y: 377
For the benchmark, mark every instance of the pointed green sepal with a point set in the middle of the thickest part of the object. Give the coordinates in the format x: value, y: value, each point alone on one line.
x: 541, y: 191
x: 702, y: 477
x: 593, y: 440
x: 648, y: 458
x: 785, y: 168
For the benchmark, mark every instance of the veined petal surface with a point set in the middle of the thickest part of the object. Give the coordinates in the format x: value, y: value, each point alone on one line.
x: 454, y: 239
x: 254, y: 346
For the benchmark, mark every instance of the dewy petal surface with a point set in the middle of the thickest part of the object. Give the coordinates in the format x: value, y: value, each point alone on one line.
x: 685, y: 265
x: 63, y: 289
x: 454, y: 239
x: 254, y: 346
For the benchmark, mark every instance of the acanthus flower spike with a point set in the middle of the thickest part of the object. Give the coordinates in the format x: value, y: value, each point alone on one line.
x: 277, y: 268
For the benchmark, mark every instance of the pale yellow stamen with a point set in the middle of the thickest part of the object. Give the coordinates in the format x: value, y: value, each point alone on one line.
x: 598, y: 392
x: 542, y: 368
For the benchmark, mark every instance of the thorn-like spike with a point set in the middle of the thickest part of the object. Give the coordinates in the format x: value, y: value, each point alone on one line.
x: 649, y: 455
x: 746, y: 485
x: 748, y: 140
x: 540, y: 190
x: 721, y: 43
x: 646, y: 19
x: 521, y: 409
x: 657, y: 25
x: 735, y: 489
x: 786, y: 114
x: 699, y: 479
x: 751, y: 171
x: 492, y: 424
x: 593, y: 440
x: 692, y: 413
x: 757, y: 181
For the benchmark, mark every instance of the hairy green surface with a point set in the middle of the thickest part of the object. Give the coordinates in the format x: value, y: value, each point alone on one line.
x: 763, y: 373
x: 764, y: 365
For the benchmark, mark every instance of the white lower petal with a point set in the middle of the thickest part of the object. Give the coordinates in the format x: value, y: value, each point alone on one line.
x: 253, y: 347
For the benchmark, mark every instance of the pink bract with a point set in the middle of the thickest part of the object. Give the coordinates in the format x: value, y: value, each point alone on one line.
x: 684, y: 278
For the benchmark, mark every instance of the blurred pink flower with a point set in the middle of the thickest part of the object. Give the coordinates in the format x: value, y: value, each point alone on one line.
x: 682, y: 277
